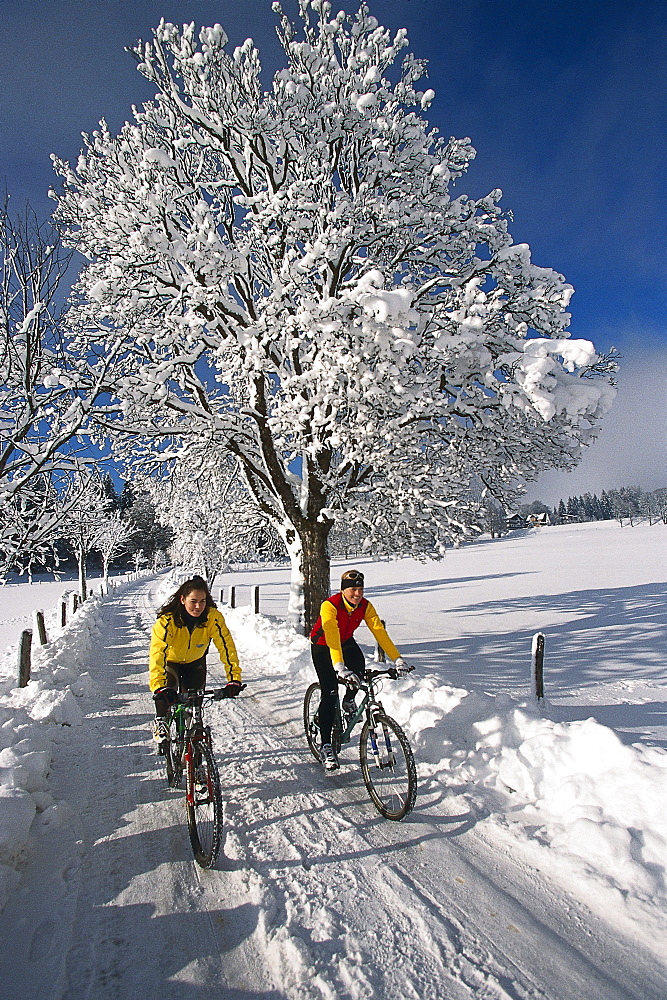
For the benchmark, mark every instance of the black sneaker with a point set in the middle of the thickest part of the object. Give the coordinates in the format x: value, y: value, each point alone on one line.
x: 328, y: 758
x: 161, y: 735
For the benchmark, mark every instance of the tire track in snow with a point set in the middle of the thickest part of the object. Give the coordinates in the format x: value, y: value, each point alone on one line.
x: 316, y: 896
x: 333, y: 910
x: 498, y: 936
x: 122, y: 911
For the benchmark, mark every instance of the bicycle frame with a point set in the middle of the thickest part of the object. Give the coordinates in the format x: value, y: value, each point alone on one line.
x: 191, y: 750
x: 368, y: 702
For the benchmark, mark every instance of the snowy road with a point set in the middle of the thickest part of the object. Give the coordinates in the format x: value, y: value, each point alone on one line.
x: 316, y: 895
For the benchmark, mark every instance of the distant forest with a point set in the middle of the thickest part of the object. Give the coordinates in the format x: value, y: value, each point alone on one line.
x: 625, y: 505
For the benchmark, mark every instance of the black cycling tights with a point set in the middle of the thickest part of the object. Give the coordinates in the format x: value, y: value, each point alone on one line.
x: 353, y: 659
x: 181, y: 677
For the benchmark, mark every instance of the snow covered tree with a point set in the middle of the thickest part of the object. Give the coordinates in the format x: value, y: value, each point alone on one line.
x: 625, y: 503
x: 39, y: 410
x: 149, y: 538
x: 290, y: 273
x: 209, y: 514
x: 659, y: 504
x: 495, y: 518
x: 112, y: 538
x: 86, y: 505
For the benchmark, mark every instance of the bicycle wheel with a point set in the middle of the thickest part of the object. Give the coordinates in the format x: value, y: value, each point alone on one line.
x: 203, y: 803
x: 388, y: 767
x: 311, y: 703
x: 173, y: 761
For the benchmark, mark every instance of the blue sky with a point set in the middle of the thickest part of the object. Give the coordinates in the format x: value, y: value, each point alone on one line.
x: 565, y: 102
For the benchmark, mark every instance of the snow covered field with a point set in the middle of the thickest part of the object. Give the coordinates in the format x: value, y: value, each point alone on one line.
x: 532, y: 866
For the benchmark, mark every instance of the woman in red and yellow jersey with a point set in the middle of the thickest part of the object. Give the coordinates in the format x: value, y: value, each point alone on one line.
x: 336, y: 655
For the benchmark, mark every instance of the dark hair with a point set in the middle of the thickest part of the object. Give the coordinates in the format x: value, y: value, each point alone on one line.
x: 174, y: 605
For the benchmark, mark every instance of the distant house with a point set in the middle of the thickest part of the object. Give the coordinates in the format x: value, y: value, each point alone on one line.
x: 515, y: 522
x: 538, y: 519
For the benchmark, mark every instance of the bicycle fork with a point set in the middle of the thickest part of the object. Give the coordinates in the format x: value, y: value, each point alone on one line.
x: 390, y: 758
x: 190, y: 771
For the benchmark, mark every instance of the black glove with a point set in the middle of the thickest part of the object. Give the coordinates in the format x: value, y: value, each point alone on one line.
x: 165, y: 694
x: 347, y: 676
x: 232, y: 689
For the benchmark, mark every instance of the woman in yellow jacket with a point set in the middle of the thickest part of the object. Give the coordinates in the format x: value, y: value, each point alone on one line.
x: 185, y: 626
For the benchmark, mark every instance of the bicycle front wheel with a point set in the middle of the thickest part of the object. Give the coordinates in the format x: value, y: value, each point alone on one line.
x: 203, y: 803
x: 388, y: 767
x: 173, y: 761
x: 311, y: 703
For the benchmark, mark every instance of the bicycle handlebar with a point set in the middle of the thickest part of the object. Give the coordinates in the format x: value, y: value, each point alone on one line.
x: 217, y: 694
x: 392, y: 672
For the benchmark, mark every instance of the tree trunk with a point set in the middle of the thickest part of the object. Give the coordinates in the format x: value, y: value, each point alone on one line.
x: 81, y: 558
x: 316, y: 570
x: 307, y: 546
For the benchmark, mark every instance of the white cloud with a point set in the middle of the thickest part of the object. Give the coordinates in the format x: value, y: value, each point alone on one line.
x: 632, y: 445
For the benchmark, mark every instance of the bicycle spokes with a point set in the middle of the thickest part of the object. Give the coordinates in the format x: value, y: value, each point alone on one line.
x: 388, y: 767
x: 203, y: 804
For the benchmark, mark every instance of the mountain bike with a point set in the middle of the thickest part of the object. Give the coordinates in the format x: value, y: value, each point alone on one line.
x: 189, y: 750
x: 387, y: 762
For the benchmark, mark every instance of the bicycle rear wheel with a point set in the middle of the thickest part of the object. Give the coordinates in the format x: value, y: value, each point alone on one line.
x: 388, y: 767
x: 311, y: 703
x: 203, y: 803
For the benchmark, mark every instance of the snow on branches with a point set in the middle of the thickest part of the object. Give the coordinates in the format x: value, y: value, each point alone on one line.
x: 292, y: 271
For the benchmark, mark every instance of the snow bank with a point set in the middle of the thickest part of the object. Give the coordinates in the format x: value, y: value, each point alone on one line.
x: 31, y: 720
x: 573, y: 787
x: 591, y: 807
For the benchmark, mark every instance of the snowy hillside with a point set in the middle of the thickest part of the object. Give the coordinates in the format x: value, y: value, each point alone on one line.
x: 538, y: 830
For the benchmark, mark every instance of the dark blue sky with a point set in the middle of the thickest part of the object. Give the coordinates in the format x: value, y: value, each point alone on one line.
x: 564, y: 100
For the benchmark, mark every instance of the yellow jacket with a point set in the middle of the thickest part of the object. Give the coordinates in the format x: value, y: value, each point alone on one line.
x: 171, y: 642
x: 371, y: 618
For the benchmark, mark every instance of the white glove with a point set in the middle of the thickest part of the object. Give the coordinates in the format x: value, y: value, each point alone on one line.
x: 401, y: 666
x: 346, y: 676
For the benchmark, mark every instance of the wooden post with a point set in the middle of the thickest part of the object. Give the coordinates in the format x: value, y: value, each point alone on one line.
x: 63, y: 611
x: 25, y: 646
x: 72, y: 603
x: 222, y: 595
x: 40, y: 627
x: 380, y: 656
x: 232, y: 597
x: 255, y: 599
x: 538, y: 666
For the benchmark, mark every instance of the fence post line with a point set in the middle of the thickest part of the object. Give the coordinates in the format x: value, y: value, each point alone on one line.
x: 255, y: 599
x: 63, y: 611
x: 25, y: 646
x: 538, y: 665
x: 222, y: 595
x: 40, y: 627
x: 232, y: 597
